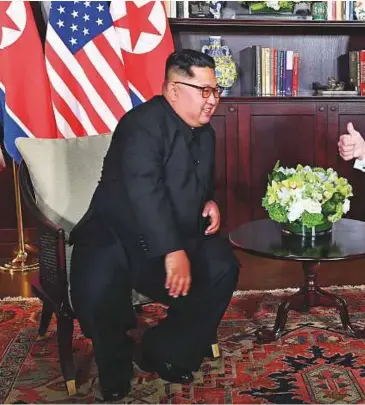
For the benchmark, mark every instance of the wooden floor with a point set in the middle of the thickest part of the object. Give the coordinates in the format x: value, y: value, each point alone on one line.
x: 256, y: 274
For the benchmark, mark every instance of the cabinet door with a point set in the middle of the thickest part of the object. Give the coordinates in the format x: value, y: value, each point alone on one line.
x: 224, y: 122
x: 290, y: 132
x: 339, y: 114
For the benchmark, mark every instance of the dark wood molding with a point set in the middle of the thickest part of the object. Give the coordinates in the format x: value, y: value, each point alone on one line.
x: 255, y: 25
x: 287, y: 99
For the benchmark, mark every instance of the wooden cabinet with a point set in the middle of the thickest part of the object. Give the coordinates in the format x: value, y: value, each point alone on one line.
x: 253, y: 135
x: 254, y: 132
x: 284, y: 131
x: 225, y: 123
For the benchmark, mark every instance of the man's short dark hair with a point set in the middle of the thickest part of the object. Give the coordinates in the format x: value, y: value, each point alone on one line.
x: 183, y: 60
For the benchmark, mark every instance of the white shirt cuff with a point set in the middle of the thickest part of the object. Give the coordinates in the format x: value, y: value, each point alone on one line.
x: 360, y: 164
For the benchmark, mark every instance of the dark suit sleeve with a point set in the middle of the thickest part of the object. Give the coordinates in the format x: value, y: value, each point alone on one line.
x: 142, y: 175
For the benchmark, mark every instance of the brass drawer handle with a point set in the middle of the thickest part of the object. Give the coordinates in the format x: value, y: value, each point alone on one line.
x: 333, y: 108
x: 231, y: 109
x: 321, y: 108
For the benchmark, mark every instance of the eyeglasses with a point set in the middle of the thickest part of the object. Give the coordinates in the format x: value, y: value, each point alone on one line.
x: 205, y: 91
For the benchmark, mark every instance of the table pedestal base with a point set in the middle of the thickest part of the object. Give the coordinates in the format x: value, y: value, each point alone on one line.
x: 309, y: 295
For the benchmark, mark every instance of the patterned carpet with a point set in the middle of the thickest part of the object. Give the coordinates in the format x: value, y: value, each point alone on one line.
x: 313, y: 363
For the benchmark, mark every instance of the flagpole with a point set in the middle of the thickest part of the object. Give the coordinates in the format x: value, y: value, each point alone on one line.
x: 20, y: 262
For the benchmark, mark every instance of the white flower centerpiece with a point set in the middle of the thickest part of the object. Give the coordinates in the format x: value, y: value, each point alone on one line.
x: 306, y: 200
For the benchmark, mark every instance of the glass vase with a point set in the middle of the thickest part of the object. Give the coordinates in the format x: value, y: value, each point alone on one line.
x: 297, y: 228
x: 225, y: 67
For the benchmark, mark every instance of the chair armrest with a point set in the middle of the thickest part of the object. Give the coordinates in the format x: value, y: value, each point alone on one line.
x: 28, y: 197
x: 51, y: 240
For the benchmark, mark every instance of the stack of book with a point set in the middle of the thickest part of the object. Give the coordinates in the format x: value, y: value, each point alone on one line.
x: 178, y: 9
x: 269, y: 72
x: 351, y: 67
x: 341, y: 10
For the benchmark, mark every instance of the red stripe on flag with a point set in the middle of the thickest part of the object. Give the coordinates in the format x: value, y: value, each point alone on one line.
x: 114, y: 61
x: 99, y: 84
x: 75, y: 88
x: 64, y: 109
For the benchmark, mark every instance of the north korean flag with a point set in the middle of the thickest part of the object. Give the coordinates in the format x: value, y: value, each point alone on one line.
x: 25, y: 102
x: 146, y: 41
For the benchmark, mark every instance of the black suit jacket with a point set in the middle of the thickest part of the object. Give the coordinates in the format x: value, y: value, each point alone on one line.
x: 157, y: 176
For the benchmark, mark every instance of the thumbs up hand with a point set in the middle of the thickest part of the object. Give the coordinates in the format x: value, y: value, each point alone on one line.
x: 352, y: 144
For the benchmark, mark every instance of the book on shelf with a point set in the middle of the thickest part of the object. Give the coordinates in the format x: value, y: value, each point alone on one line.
x: 268, y: 71
x: 351, y: 69
x: 177, y: 9
x: 341, y: 10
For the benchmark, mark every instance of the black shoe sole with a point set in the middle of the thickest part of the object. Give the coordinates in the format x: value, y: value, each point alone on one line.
x: 117, y: 395
x: 167, y: 375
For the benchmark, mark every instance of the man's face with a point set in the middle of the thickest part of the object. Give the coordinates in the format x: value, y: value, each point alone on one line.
x: 195, y: 105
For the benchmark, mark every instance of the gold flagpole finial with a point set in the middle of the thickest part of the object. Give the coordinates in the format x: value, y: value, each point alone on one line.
x: 21, y: 261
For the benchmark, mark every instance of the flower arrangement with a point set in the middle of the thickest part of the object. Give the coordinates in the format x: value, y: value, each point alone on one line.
x: 269, y: 6
x: 306, y: 197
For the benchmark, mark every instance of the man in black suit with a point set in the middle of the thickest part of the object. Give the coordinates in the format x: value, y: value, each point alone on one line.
x: 153, y: 226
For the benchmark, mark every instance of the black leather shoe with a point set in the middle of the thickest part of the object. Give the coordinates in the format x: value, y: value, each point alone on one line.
x: 110, y: 395
x: 166, y: 371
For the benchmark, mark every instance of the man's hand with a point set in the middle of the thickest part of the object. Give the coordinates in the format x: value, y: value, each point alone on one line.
x: 178, y: 278
x: 352, y: 144
x: 211, y: 210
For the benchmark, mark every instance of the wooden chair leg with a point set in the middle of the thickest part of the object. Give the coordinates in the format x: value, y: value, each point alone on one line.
x: 215, y: 350
x: 65, y: 327
x: 46, y: 317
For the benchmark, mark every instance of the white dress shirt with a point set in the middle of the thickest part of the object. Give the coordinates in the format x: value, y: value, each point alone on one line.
x: 360, y: 164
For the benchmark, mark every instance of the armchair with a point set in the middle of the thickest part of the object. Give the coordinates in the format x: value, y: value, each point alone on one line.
x: 57, y: 180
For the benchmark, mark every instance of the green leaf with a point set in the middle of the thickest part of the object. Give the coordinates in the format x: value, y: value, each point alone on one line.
x: 310, y: 220
x: 329, y: 207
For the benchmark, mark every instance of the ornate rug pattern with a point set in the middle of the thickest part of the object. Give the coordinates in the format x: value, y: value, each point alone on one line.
x: 313, y: 363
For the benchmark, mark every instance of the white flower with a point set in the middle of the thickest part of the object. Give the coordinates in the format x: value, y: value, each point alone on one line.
x: 313, y: 207
x: 273, y: 4
x: 287, y: 170
x: 322, y: 176
x: 297, y: 193
x: 284, y: 196
x: 332, y: 175
x: 346, y: 206
x: 295, y: 211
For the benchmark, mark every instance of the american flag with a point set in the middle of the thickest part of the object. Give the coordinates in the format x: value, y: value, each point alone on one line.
x: 86, y: 70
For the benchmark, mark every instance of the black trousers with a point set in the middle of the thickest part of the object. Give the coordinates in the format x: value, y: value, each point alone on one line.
x: 101, y: 296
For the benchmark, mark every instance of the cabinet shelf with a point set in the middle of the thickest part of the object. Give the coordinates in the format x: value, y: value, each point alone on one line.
x: 253, y: 132
x: 287, y: 99
x: 318, y: 43
x: 205, y: 24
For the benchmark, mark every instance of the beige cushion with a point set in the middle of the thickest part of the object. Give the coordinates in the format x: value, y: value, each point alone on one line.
x: 64, y: 173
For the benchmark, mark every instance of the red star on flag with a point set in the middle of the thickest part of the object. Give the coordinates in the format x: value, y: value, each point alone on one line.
x: 136, y: 21
x: 5, y: 20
